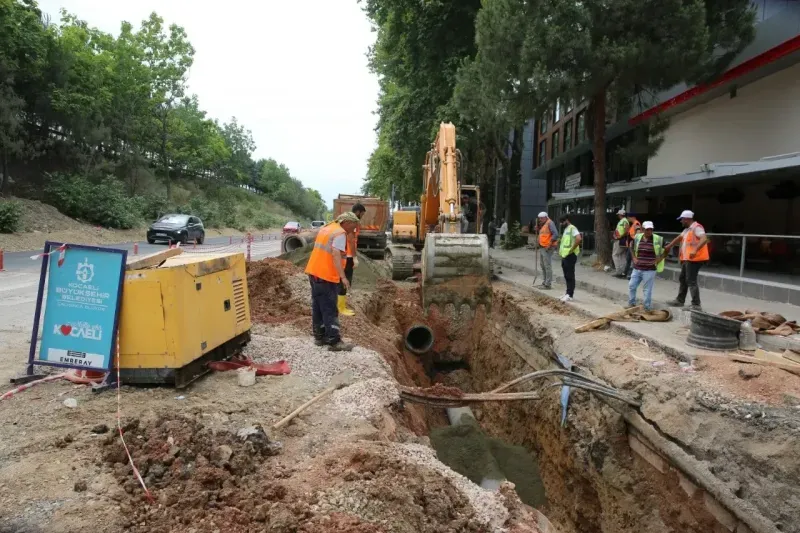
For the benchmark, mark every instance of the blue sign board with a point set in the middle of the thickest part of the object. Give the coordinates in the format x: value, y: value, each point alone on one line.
x: 83, y: 297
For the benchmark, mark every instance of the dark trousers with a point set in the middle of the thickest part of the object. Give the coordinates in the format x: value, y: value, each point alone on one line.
x: 568, y: 266
x: 324, y: 313
x: 491, y: 240
x: 348, y: 273
x: 688, y: 281
x: 629, y: 261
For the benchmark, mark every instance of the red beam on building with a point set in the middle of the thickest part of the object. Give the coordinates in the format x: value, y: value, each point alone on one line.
x: 770, y: 56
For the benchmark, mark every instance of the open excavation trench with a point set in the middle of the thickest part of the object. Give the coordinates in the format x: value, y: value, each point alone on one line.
x: 693, y: 458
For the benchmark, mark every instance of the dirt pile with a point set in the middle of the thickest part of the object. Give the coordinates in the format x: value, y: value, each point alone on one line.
x: 196, y: 476
x: 207, y: 481
x: 279, y: 291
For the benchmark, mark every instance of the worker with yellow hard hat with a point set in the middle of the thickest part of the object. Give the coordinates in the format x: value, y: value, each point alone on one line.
x: 325, y: 271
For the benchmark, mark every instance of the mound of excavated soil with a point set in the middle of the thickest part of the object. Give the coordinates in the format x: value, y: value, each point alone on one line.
x: 279, y: 291
x: 207, y: 481
x: 195, y: 475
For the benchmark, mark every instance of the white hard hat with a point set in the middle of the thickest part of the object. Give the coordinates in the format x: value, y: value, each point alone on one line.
x: 648, y: 225
x: 621, y: 212
x: 686, y: 214
x: 542, y: 215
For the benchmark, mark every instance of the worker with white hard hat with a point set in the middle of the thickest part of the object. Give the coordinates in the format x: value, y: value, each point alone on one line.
x: 548, y: 243
x: 620, y: 252
x: 647, y: 250
x: 693, y: 255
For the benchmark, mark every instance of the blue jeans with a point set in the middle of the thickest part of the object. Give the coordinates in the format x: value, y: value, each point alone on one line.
x: 649, y: 279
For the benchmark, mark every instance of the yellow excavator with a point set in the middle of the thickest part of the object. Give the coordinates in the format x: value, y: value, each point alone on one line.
x: 446, y: 229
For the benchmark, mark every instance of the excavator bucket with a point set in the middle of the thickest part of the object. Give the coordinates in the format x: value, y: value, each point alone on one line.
x: 455, y: 270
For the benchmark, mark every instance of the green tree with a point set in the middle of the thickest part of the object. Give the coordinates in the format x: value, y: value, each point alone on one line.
x: 168, y: 56
x: 23, y: 48
x: 418, y: 50
x: 607, y: 52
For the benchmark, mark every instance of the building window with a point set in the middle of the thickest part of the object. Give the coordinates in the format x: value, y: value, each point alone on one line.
x: 557, y: 115
x: 542, y: 152
x: 580, y: 132
x: 568, y: 135
x: 543, y: 124
x: 556, y: 140
x: 568, y: 108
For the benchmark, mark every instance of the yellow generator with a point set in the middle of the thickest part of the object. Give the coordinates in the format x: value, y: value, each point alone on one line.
x: 179, y: 314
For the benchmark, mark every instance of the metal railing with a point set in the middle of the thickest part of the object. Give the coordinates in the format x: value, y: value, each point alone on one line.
x: 776, y: 254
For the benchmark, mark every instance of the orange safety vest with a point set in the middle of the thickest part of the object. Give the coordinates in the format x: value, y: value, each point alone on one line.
x: 689, y: 245
x: 320, y: 264
x: 545, y: 237
x: 635, y: 225
x: 351, y: 252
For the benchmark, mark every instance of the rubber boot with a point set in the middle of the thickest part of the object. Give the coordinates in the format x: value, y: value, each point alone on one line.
x: 342, y: 305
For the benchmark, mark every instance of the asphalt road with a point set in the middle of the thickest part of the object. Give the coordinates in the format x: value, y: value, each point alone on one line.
x: 269, y: 247
x: 19, y: 282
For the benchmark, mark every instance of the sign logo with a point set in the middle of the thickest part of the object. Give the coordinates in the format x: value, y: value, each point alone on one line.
x: 82, y: 330
x: 85, y: 271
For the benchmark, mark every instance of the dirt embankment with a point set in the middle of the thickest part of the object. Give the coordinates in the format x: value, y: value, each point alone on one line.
x: 745, y: 432
x: 43, y: 222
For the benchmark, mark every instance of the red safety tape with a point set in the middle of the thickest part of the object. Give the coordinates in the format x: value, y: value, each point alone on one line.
x: 27, y: 386
x: 121, y: 436
x: 62, y: 251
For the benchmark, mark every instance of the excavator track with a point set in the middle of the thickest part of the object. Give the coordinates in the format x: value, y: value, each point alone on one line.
x: 402, y: 263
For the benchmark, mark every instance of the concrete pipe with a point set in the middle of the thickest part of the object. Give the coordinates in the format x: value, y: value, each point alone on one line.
x: 297, y: 241
x: 419, y: 339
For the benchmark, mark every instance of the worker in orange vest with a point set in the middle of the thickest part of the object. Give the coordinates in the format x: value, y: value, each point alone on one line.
x: 325, y: 271
x: 351, y: 261
x: 548, y: 243
x: 693, y: 255
x: 634, y: 228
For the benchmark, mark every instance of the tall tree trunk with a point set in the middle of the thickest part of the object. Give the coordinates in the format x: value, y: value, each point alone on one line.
x: 4, y: 170
x: 513, y: 197
x: 164, y: 161
x: 601, y: 236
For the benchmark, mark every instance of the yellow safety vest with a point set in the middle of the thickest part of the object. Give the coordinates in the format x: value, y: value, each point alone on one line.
x: 658, y: 247
x: 621, y: 231
x: 566, y: 242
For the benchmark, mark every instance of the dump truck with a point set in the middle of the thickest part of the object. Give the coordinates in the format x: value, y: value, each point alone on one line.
x: 372, y: 231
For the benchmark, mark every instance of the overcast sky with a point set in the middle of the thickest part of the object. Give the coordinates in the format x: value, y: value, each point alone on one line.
x: 294, y: 72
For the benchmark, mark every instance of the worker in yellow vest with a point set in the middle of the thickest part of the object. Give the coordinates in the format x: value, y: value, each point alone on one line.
x: 620, y: 253
x: 693, y: 255
x: 548, y: 242
x: 647, y: 249
x: 325, y: 271
x: 351, y: 261
x: 569, y: 249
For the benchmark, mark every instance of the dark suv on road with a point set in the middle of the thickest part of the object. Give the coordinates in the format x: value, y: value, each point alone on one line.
x: 177, y: 228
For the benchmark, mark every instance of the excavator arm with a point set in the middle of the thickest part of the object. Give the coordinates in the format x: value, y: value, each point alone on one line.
x: 455, y: 264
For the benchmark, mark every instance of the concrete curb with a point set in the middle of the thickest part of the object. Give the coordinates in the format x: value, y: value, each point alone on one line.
x: 620, y: 327
x: 768, y: 342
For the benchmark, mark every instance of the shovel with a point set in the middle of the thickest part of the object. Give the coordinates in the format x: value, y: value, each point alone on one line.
x: 340, y: 380
x: 536, y: 260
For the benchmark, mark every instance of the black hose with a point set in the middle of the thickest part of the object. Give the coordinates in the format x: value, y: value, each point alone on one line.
x: 419, y: 339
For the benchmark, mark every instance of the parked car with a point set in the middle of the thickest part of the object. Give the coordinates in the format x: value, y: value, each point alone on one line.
x: 177, y: 228
x: 291, y: 227
x: 316, y: 224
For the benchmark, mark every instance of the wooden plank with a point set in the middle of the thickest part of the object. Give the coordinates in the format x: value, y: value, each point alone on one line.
x: 151, y: 260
